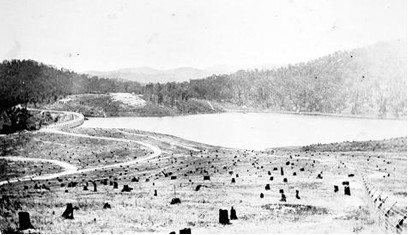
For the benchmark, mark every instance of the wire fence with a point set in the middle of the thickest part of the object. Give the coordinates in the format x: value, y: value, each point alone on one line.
x: 388, y: 214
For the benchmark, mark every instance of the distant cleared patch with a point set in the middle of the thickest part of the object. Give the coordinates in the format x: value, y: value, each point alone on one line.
x: 128, y: 99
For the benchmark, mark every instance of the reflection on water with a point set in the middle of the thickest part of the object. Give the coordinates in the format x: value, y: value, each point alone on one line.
x: 260, y: 130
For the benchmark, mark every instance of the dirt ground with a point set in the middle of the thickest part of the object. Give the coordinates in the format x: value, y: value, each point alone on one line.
x: 175, y: 168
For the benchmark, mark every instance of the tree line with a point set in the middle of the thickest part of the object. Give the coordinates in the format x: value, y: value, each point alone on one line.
x: 368, y: 81
x: 27, y: 82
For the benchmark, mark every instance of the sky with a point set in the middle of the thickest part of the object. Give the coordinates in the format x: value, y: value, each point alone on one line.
x: 106, y: 35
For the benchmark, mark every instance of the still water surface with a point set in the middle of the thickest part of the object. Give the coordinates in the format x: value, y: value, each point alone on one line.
x: 260, y: 130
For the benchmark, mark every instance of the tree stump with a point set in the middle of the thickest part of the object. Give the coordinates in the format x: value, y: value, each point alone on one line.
x: 336, y: 188
x: 282, y: 173
x: 233, y: 181
x: 95, y: 187
x: 175, y: 201
x: 155, y: 193
x: 85, y: 188
x: 267, y: 187
x: 297, y: 194
x: 106, y: 206
x: 24, y: 220
x: 281, y: 191
x: 271, y: 178
x: 206, y: 177
x: 285, y: 180
x: 134, y: 179
x: 126, y: 188
x: 233, y: 214
x: 198, y: 187
x: 69, y: 212
x: 261, y: 195
x: 347, y: 190
x: 283, y: 198
x: 223, y: 217
x: 115, y: 185
x: 185, y: 231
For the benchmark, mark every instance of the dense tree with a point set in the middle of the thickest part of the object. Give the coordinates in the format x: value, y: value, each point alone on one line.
x: 27, y: 82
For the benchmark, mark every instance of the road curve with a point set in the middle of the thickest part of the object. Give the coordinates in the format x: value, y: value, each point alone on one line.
x: 71, y: 169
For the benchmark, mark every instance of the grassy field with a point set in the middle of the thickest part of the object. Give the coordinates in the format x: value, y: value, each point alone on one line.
x: 179, y: 170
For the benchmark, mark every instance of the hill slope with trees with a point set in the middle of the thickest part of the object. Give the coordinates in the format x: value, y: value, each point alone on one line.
x: 368, y: 81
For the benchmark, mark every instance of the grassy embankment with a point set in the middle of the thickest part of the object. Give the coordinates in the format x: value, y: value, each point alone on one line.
x: 104, y: 105
x: 319, y: 209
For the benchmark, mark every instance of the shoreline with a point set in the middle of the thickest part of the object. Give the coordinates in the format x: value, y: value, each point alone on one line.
x: 265, y: 111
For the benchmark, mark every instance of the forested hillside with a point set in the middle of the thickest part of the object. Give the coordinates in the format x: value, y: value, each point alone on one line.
x: 369, y: 81
x: 27, y: 82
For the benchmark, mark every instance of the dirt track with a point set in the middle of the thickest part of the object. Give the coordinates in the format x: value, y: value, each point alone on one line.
x: 71, y: 169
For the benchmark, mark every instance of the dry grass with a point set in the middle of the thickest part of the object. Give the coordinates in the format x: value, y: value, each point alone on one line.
x: 319, y: 210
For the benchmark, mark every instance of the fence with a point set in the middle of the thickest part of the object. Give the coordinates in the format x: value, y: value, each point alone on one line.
x: 385, y: 210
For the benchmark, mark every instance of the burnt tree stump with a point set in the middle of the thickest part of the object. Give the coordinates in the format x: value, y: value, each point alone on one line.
x: 281, y: 170
x: 347, y: 190
x: 336, y: 188
x: 95, y: 187
x: 297, y: 194
x: 185, y: 231
x: 69, y: 212
x: 233, y: 214
x: 24, y: 220
x: 126, y: 188
x: 283, y: 197
x: 261, y: 195
x: 175, y: 201
x: 233, y: 181
x: 106, y: 206
x: 223, y: 217
x: 267, y: 187
x: 115, y: 185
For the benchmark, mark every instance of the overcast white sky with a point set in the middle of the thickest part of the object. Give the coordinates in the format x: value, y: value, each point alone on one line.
x: 105, y: 35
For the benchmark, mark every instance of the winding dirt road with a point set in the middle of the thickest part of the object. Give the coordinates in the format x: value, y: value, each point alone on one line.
x: 71, y: 169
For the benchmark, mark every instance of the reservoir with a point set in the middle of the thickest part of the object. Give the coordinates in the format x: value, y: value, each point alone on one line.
x: 260, y: 130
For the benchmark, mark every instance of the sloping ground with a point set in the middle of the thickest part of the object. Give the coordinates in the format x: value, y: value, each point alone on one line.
x: 275, y: 191
x: 318, y: 210
x: 126, y: 104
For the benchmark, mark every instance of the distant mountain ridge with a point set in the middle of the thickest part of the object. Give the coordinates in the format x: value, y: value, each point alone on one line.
x: 147, y: 74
